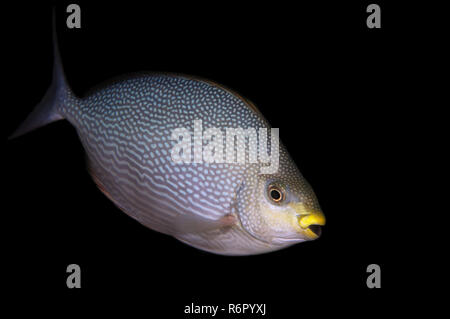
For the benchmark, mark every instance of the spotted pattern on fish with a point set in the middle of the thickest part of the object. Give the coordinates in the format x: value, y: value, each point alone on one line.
x: 125, y: 128
x: 127, y: 136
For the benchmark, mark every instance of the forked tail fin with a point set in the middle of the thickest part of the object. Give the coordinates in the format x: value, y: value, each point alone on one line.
x: 47, y: 110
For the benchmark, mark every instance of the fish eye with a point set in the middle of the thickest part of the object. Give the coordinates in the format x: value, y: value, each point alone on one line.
x: 276, y: 194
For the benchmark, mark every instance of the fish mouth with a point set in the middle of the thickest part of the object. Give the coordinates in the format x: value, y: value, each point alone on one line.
x: 310, y: 224
x: 316, y: 230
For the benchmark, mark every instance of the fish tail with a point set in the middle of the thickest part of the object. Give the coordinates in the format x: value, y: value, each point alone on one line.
x: 47, y: 111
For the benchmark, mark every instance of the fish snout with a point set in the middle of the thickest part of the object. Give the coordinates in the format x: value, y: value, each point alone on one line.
x: 311, y: 223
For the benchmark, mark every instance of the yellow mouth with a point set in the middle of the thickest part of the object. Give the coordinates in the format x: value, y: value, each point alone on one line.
x: 310, y: 222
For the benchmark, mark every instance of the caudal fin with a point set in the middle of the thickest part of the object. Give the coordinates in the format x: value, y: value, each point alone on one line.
x: 47, y: 110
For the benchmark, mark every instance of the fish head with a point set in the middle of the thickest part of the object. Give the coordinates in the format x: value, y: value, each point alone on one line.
x: 280, y: 208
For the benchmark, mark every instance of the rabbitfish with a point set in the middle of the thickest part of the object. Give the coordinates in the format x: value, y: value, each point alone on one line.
x: 158, y: 146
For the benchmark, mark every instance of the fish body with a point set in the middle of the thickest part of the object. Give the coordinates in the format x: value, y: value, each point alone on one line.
x: 126, y: 129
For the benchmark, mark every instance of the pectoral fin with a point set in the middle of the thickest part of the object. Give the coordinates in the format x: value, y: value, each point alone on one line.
x: 196, y: 224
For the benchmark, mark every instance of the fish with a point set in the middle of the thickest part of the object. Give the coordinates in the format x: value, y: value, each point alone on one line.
x: 126, y: 127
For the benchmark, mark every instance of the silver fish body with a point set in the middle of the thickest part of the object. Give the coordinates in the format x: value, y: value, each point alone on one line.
x: 126, y: 130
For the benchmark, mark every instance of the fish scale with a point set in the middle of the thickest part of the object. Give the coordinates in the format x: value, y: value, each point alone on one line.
x: 141, y: 179
x: 125, y: 127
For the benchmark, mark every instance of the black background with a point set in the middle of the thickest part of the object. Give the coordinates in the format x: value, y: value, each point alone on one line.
x: 330, y: 84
